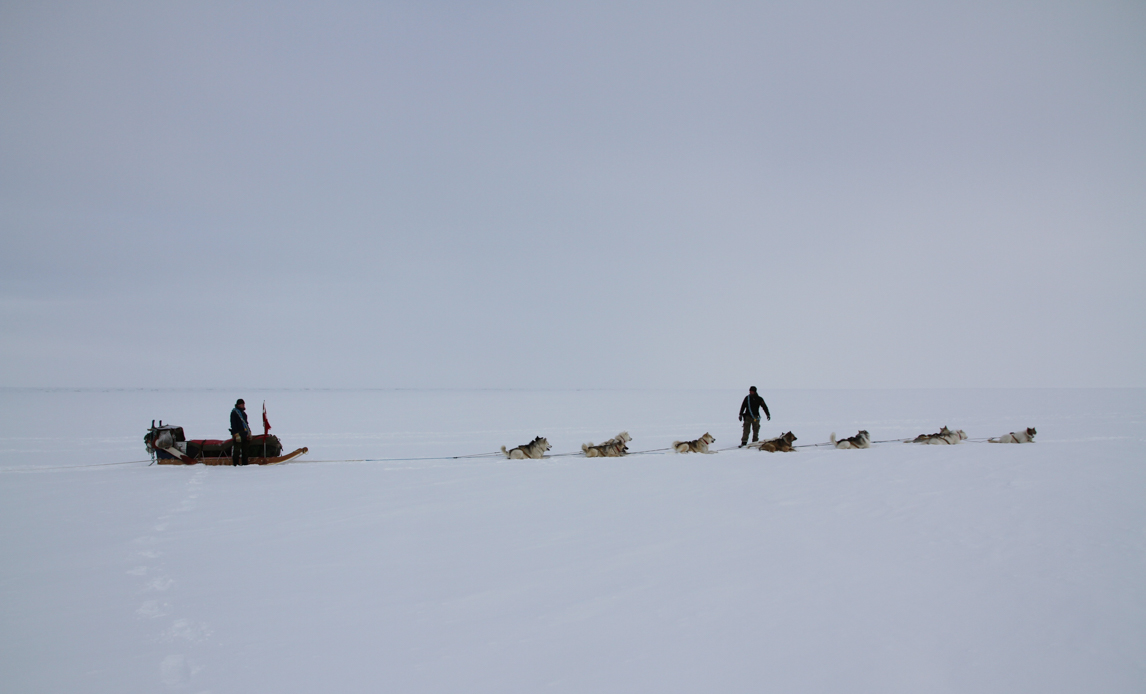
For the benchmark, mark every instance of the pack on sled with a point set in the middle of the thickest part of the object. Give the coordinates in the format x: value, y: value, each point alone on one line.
x: 168, y: 446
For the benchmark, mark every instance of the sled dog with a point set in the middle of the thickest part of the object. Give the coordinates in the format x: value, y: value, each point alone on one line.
x: 698, y: 446
x: 1027, y: 436
x: 945, y: 436
x: 780, y: 444
x: 534, y: 449
x: 860, y: 440
x: 613, y: 448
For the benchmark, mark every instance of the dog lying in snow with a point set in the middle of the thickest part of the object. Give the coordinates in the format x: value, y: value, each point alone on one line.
x: 1027, y: 436
x: 698, y: 446
x: 534, y: 449
x: 613, y: 448
x: 860, y: 440
x: 945, y: 436
x: 780, y: 444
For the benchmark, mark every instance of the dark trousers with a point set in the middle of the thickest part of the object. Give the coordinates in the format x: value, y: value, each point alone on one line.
x: 754, y: 426
x: 239, y: 448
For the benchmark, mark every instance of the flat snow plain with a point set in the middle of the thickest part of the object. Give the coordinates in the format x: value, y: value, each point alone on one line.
x: 903, y: 568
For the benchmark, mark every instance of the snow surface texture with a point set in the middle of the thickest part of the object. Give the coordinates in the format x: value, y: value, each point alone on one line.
x: 903, y: 568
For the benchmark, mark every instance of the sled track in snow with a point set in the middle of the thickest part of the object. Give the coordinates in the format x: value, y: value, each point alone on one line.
x: 471, y: 456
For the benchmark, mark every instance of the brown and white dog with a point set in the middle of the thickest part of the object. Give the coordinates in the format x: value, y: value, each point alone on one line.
x: 945, y: 436
x: 697, y: 446
x: 613, y: 448
x: 1027, y: 436
x: 534, y: 449
x: 860, y: 440
x: 780, y: 444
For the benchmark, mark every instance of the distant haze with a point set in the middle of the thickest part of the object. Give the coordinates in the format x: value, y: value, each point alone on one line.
x: 534, y: 195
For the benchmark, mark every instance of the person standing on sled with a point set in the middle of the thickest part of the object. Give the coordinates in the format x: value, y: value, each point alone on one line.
x: 240, y: 432
x: 750, y: 415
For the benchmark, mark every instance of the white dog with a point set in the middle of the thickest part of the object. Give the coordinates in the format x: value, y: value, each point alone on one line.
x: 1027, y: 436
x: 698, y: 446
x: 534, y: 449
x: 613, y: 448
x: 860, y: 440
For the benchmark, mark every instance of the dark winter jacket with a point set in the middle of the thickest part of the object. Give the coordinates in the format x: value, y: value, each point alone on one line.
x: 239, y: 422
x: 751, y: 407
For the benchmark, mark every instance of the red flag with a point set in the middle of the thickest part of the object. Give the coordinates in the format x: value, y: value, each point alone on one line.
x: 266, y: 424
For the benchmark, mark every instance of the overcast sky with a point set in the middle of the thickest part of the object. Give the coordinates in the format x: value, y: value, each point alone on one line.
x: 573, y: 195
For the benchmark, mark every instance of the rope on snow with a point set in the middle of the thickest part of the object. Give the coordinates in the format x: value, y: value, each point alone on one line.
x: 469, y: 456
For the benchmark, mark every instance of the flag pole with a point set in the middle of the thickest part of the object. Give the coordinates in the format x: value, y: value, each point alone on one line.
x: 266, y: 429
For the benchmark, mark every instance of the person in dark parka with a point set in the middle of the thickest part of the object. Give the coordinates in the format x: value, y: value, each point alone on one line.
x: 750, y: 415
x: 240, y: 432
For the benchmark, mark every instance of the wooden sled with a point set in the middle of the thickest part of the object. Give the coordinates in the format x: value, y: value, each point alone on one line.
x: 181, y: 459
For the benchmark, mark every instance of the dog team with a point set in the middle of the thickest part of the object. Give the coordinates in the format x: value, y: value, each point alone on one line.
x: 749, y: 416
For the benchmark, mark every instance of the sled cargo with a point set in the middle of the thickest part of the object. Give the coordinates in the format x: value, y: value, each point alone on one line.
x: 169, y: 446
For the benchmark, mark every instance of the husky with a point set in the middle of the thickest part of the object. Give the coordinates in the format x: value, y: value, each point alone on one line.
x: 780, y: 444
x: 698, y: 446
x: 613, y: 448
x: 945, y: 436
x: 1027, y: 436
x: 860, y: 440
x: 534, y: 449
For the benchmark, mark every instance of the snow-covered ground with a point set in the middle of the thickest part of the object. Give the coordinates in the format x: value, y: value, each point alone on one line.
x: 970, y: 568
